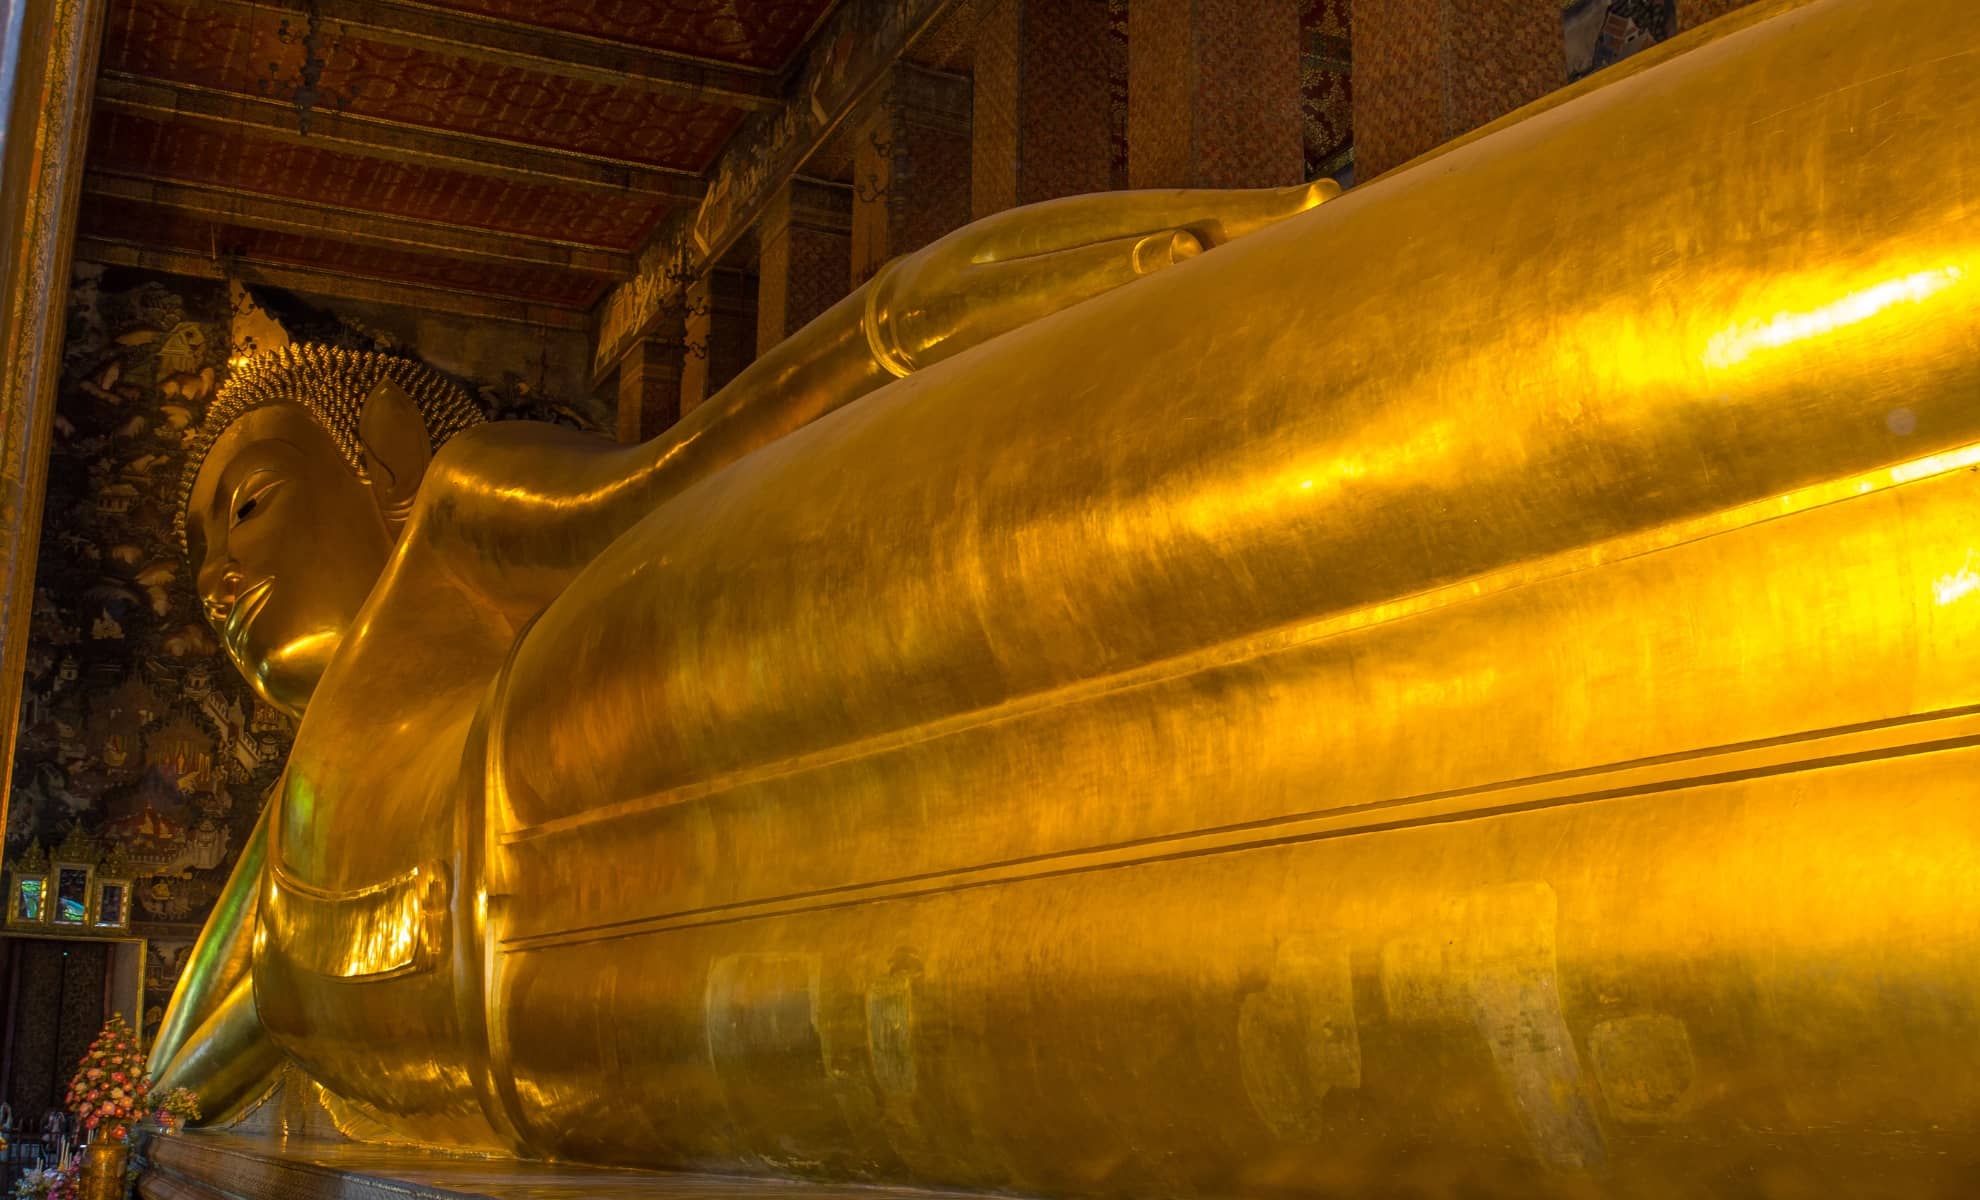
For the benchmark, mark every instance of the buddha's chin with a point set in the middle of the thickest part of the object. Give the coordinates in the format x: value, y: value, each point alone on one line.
x: 286, y: 676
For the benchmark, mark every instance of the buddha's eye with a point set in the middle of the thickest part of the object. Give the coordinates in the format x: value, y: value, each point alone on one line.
x: 249, y: 499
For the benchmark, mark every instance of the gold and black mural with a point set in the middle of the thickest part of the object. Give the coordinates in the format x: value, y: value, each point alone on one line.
x: 1601, y: 32
x: 134, y: 726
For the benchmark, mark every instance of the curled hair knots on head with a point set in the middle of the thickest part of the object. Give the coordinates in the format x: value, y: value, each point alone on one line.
x: 330, y: 383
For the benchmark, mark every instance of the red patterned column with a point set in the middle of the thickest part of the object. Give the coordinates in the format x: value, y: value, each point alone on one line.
x: 1697, y: 12
x: 1040, y: 123
x: 649, y: 387
x: 720, y: 334
x: 910, y: 166
x: 804, y: 264
x: 1429, y: 70
x: 1214, y: 93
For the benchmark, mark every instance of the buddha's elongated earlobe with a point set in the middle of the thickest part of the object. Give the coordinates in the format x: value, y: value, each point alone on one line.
x: 396, y: 451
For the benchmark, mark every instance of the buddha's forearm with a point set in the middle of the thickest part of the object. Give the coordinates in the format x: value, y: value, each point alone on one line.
x: 551, y: 513
x: 825, y: 365
x: 229, y: 1061
x: 221, y: 956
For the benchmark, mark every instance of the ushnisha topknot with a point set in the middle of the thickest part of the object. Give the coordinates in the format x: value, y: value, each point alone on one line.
x: 331, y: 384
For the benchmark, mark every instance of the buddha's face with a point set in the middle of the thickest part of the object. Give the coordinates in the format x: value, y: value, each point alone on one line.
x: 286, y: 542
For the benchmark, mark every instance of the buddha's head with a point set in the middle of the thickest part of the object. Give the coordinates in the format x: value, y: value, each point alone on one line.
x: 298, y: 480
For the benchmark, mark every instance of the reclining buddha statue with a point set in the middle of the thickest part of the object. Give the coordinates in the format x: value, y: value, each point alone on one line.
x: 1470, y: 688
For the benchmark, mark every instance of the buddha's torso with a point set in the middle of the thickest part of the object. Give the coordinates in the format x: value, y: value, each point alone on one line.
x: 366, y: 956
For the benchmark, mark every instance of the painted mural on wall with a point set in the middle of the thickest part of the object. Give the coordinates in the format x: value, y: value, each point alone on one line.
x: 1602, y: 32
x: 134, y: 726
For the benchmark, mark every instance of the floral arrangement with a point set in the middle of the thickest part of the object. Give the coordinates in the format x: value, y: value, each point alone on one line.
x: 52, y: 1183
x: 178, y: 1107
x: 110, y: 1092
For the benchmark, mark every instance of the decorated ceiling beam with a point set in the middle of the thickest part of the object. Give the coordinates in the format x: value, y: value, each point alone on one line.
x: 392, y: 140
x: 846, y: 59
x: 117, y: 253
x: 534, y: 48
x: 355, y: 225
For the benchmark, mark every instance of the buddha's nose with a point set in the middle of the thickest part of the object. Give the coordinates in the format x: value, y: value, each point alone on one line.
x: 219, y: 587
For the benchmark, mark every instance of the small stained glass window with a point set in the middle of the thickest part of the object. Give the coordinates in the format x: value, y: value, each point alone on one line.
x: 28, y: 899
x: 71, y: 895
x: 110, y: 905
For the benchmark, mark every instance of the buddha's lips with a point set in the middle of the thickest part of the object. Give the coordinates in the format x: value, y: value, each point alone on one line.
x: 244, y: 611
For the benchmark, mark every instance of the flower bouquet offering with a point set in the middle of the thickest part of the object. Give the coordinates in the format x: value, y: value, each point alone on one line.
x: 178, y: 1107
x: 51, y: 1183
x: 110, y: 1093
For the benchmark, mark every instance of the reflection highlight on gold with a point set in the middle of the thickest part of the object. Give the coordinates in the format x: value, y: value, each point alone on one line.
x: 1784, y: 330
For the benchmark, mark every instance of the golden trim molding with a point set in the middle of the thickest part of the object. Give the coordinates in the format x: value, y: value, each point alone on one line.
x: 47, y: 126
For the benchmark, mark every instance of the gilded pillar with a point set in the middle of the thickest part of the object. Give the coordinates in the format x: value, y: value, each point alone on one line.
x: 1040, y: 115
x: 1214, y: 94
x: 804, y: 263
x: 910, y: 166
x: 650, y: 385
x: 46, y: 124
x: 1426, y: 71
x: 720, y: 334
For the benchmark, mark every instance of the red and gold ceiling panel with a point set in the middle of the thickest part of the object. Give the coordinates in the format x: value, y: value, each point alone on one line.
x: 234, y: 158
x: 748, y: 33
x: 159, y: 227
x: 261, y: 53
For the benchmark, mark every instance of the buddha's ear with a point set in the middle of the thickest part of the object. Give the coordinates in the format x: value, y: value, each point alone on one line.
x: 396, y: 451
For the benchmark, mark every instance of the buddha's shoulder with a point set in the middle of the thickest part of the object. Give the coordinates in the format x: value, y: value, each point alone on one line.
x: 507, y: 450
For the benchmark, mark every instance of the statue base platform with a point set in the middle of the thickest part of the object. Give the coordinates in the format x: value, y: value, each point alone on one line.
x: 253, y: 1166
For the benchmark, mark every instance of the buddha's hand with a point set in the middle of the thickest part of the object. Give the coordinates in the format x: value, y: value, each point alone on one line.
x: 1007, y: 270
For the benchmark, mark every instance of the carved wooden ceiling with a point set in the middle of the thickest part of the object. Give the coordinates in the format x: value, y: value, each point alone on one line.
x: 501, y: 157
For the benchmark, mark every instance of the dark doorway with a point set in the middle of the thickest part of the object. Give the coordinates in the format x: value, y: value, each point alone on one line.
x: 54, y: 997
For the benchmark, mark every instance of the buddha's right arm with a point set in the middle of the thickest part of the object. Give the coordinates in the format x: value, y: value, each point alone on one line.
x: 537, y: 505
x: 221, y: 955
x: 228, y: 1062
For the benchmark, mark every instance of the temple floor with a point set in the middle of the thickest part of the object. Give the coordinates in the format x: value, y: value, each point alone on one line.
x: 237, y: 1166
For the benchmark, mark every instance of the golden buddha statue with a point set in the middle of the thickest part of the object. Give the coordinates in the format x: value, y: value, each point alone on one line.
x: 1466, y: 691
